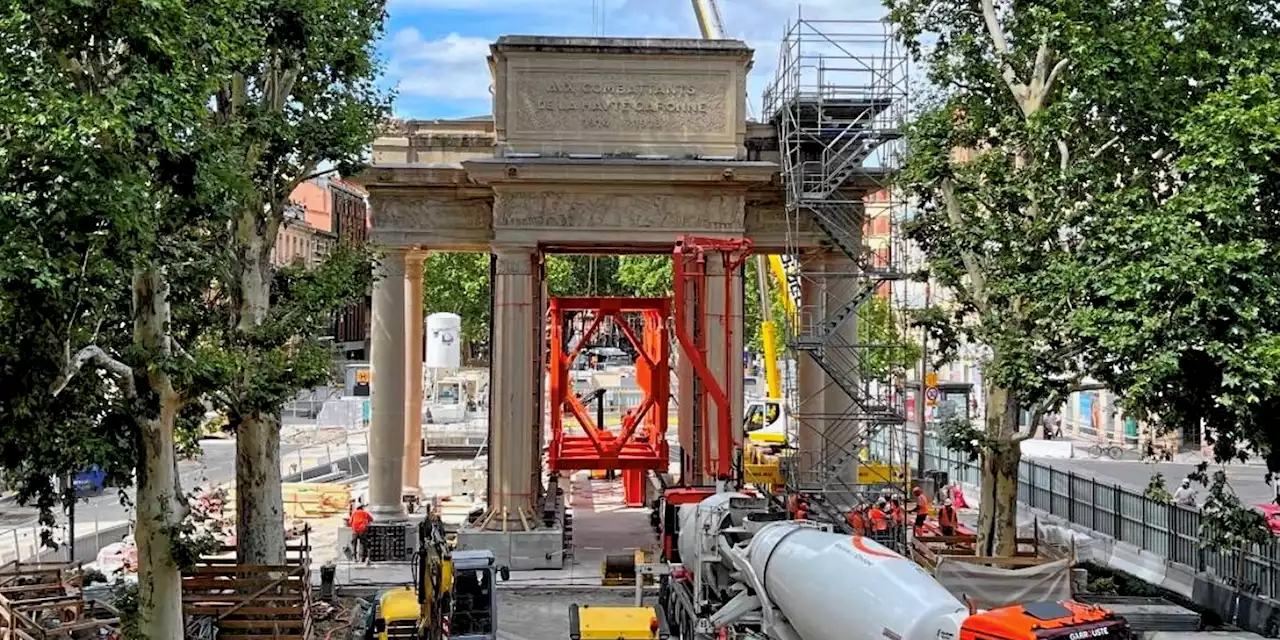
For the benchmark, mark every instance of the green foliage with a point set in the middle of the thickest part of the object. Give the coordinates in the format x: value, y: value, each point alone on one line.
x: 1156, y: 490
x: 104, y: 168
x: 457, y: 282
x: 647, y: 276
x: 1103, y: 587
x: 881, y: 330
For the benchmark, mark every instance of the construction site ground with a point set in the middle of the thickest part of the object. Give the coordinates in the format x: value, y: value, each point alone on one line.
x: 602, y: 525
x: 523, y: 614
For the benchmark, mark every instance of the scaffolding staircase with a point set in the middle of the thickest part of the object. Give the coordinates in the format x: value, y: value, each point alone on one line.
x: 838, y: 104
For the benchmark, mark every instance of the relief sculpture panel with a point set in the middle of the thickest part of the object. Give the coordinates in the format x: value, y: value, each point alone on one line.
x: 419, y: 212
x: 666, y: 212
x: 638, y: 104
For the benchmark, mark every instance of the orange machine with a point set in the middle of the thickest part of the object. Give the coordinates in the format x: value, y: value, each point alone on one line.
x: 1066, y: 620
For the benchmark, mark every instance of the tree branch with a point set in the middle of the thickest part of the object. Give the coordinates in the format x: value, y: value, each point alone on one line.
x: 977, y: 279
x: 1064, y: 155
x: 1002, y: 49
x: 1104, y: 147
x: 122, y: 371
x: 1053, y: 75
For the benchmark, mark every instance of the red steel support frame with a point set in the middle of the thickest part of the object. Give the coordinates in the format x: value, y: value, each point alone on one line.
x: 601, y: 448
x: 690, y: 272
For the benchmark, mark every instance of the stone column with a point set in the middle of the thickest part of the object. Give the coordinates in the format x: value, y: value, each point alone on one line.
x: 844, y: 431
x: 386, y: 434
x: 511, y: 388
x: 811, y: 380
x: 413, y: 371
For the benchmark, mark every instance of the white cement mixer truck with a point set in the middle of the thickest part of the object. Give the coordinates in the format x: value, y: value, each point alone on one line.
x: 746, y: 573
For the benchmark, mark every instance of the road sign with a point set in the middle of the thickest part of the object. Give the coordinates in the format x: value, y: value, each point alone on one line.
x: 931, y: 396
x: 930, y: 379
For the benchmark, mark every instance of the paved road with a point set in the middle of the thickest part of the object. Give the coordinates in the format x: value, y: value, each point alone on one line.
x: 216, y: 465
x: 1248, y: 481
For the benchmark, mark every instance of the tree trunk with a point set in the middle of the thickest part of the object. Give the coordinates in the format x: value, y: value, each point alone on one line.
x: 998, y: 510
x: 259, y: 500
x: 160, y: 505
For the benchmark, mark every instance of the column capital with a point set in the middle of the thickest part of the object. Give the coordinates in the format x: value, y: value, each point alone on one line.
x: 413, y: 262
x: 514, y: 260
x: 391, y: 261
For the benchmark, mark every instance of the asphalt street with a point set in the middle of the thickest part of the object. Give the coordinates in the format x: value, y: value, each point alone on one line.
x: 1248, y: 481
x: 216, y: 465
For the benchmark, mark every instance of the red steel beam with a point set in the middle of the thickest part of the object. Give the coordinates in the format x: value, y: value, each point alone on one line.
x: 601, y: 448
x: 689, y: 272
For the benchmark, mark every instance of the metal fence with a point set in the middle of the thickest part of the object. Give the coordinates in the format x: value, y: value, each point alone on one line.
x: 1161, y: 528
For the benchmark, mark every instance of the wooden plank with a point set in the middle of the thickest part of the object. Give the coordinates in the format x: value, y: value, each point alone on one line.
x: 240, y: 597
x: 214, y: 610
x: 223, y: 570
x: 277, y: 623
x: 288, y: 583
x: 1009, y: 562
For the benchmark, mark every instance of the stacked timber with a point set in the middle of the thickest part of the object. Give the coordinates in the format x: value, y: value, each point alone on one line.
x: 304, y: 500
x: 1148, y: 614
x: 244, y: 601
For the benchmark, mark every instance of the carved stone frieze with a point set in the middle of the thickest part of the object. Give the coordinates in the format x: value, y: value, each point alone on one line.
x: 559, y: 209
x: 429, y: 213
x: 632, y: 103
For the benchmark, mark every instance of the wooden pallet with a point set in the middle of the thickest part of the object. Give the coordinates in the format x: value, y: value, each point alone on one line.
x: 30, y: 595
x: 253, y: 601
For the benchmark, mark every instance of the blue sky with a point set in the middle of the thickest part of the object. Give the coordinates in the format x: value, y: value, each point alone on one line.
x: 435, y: 49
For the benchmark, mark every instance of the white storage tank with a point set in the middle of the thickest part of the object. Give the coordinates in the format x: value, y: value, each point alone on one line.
x: 831, y: 585
x: 444, y: 341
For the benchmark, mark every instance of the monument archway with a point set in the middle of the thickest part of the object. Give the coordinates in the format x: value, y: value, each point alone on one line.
x: 596, y: 145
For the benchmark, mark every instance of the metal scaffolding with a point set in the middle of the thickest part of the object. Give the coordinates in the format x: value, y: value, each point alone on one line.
x: 838, y: 102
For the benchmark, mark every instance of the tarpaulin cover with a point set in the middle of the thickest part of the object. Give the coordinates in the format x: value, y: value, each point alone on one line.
x: 991, y: 587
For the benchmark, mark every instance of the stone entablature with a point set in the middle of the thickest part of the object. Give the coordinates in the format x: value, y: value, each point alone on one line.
x: 677, y: 98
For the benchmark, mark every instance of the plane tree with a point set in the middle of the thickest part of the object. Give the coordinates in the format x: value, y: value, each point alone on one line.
x: 111, y: 187
x: 301, y: 102
x: 1041, y: 118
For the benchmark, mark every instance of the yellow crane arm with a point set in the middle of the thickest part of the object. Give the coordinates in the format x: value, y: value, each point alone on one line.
x: 709, y: 20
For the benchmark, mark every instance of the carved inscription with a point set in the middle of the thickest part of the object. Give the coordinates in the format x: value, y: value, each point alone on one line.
x: 625, y: 104
x: 409, y: 213
x: 552, y: 209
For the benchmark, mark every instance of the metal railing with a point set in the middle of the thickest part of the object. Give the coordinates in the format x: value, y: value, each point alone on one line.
x: 1163, y: 529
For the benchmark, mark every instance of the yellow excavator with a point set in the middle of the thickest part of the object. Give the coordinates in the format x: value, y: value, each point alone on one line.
x: 454, y: 594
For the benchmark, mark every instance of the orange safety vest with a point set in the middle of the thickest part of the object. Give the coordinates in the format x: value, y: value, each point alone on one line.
x: 360, y: 521
x: 858, y: 522
x: 793, y: 505
x: 878, y: 520
x: 947, y: 517
x: 802, y: 514
x: 898, y: 517
x: 922, y: 503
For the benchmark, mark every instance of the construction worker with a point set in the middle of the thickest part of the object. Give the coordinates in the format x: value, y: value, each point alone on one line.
x: 896, y: 512
x: 947, y: 519
x: 802, y: 513
x: 793, y: 505
x: 857, y: 521
x: 879, y: 521
x: 359, y: 521
x: 922, y: 506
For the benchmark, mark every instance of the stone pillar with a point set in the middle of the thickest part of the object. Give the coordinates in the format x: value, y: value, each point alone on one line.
x: 413, y: 371
x: 811, y: 380
x: 844, y: 431
x: 738, y: 371
x: 511, y: 388
x: 386, y: 433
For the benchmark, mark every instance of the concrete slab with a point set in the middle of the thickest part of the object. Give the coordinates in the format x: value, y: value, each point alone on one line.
x: 518, y: 550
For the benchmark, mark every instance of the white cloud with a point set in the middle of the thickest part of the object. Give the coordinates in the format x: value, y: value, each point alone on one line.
x: 451, y: 68
x: 454, y: 68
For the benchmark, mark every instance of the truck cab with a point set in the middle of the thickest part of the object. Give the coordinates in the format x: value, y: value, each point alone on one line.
x: 765, y: 422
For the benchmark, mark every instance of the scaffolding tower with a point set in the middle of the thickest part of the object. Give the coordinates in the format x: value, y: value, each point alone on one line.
x: 838, y: 104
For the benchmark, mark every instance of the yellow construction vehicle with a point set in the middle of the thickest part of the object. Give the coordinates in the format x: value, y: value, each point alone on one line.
x: 453, y: 595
